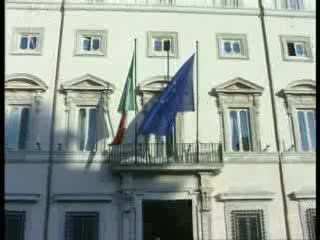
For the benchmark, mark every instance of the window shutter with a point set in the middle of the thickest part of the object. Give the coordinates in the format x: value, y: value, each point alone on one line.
x: 92, y: 125
x: 82, y: 226
x: 303, y: 131
x: 24, y: 124
x: 12, y: 130
x: 14, y: 225
x: 82, y: 127
x: 312, y: 129
x: 291, y: 49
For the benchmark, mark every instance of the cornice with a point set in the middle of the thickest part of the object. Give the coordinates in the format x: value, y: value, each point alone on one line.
x: 290, y: 14
x: 245, y: 195
x: 82, y: 197
x: 22, y: 197
x: 33, y: 6
x: 299, y: 157
x: 250, y: 157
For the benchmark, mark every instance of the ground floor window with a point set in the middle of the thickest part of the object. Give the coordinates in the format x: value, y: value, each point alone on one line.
x: 14, y: 225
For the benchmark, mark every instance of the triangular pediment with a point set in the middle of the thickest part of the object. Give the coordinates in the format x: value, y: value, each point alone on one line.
x: 88, y: 82
x: 154, y: 84
x: 305, y: 86
x: 238, y: 85
x: 21, y: 81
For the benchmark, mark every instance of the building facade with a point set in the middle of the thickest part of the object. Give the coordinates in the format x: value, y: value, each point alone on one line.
x: 253, y: 175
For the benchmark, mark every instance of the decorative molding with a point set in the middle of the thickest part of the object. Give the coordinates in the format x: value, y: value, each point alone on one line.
x: 245, y: 195
x: 154, y: 84
x: 299, y: 157
x: 88, y: 82
x: 23, y: 81
x: 290, y: 14
x: 82, y: 197
x: 303, y: 194
x: 22, y: 197
x: 301, y: 87
x: 237, y: 85
x: 49, y: 6
x: 250, y: 157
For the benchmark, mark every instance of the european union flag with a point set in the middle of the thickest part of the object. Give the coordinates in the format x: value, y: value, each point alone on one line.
x: 176, y: 97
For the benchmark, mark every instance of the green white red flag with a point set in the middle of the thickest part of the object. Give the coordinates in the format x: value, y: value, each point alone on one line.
x: 127, y: 103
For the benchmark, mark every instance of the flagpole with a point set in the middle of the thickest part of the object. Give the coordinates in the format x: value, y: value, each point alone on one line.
x: 135, y: 100
x: 197, y: 112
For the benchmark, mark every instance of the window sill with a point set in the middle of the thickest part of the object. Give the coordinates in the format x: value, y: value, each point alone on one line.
x: 299, y: 157
x: 89, y: 54
x: 25, y: 53
x: 293, y: 59
x: 250, y: 157
x: 226, y: 57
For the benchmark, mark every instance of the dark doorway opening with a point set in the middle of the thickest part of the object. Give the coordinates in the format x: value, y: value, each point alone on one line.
x: 167, y: 220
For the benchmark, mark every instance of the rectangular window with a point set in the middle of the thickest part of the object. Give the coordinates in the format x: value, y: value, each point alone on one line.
x: 156, y: 44
x: 296, y: 48
x: 28, y: 41
x: 307, y: 129
x: 311, y: 223
x: 91, y: 43
x: 87, y: 128
x: 82, y: 226
x: 230, y: 3
x: 14, y: 225
x: 232, y: 46
x: 247, y: 225
x: 240, y: 132
x: 17, y: 127
x: 292, y: 4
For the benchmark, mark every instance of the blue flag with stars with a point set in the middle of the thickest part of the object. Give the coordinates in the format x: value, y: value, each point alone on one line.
x: 176, y: 97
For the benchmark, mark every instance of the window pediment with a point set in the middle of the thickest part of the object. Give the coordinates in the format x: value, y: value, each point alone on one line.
x: 24, y: 82
x: 154, y: 84
x: 88, y: 82
x: 301, y: 87
x: 237, y: 85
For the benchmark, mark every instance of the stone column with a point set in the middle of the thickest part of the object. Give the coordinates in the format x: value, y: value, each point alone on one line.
x: 128, y: 213
x: 205, y: 188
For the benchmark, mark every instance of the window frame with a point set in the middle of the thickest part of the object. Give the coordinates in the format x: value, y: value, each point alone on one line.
x: 9, y: 108
x: 309, y: 143
x: 238, y: 110
x: 288, y: 6
x: 103, y: 45
x: 16, y: 37
x: 285, y: 39
x: 162, y: 35
x: 23, y: 223
x: 231, y: 3
x: 234, y: 214
x: 81, y: 213
x: 242, y: 38
x: 87, y: 108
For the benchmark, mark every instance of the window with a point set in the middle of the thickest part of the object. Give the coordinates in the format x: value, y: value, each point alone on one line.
x: 311, y: 222
x: 156, y: 44
x: 14, y: 225
x: 230, y: 3
x: 232, y: 46
x: 240, y: 130
x: 307, y: 129
x: 27, y: 41
x: 87, y: 129
x: 296, y: 48
x: 17, y: 126
x: 247, y: 225
x: 166, y: 2
x: 91, y: 42
x: 82, y: 226
x: 292, y: 4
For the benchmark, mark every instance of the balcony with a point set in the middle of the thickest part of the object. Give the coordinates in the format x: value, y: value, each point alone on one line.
x: 158, y: 157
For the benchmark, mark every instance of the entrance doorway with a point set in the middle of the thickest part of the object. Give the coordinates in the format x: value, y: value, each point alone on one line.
x: 167, y: 220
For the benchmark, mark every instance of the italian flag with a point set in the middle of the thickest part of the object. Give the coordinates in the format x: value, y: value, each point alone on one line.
x: 127, y: 103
